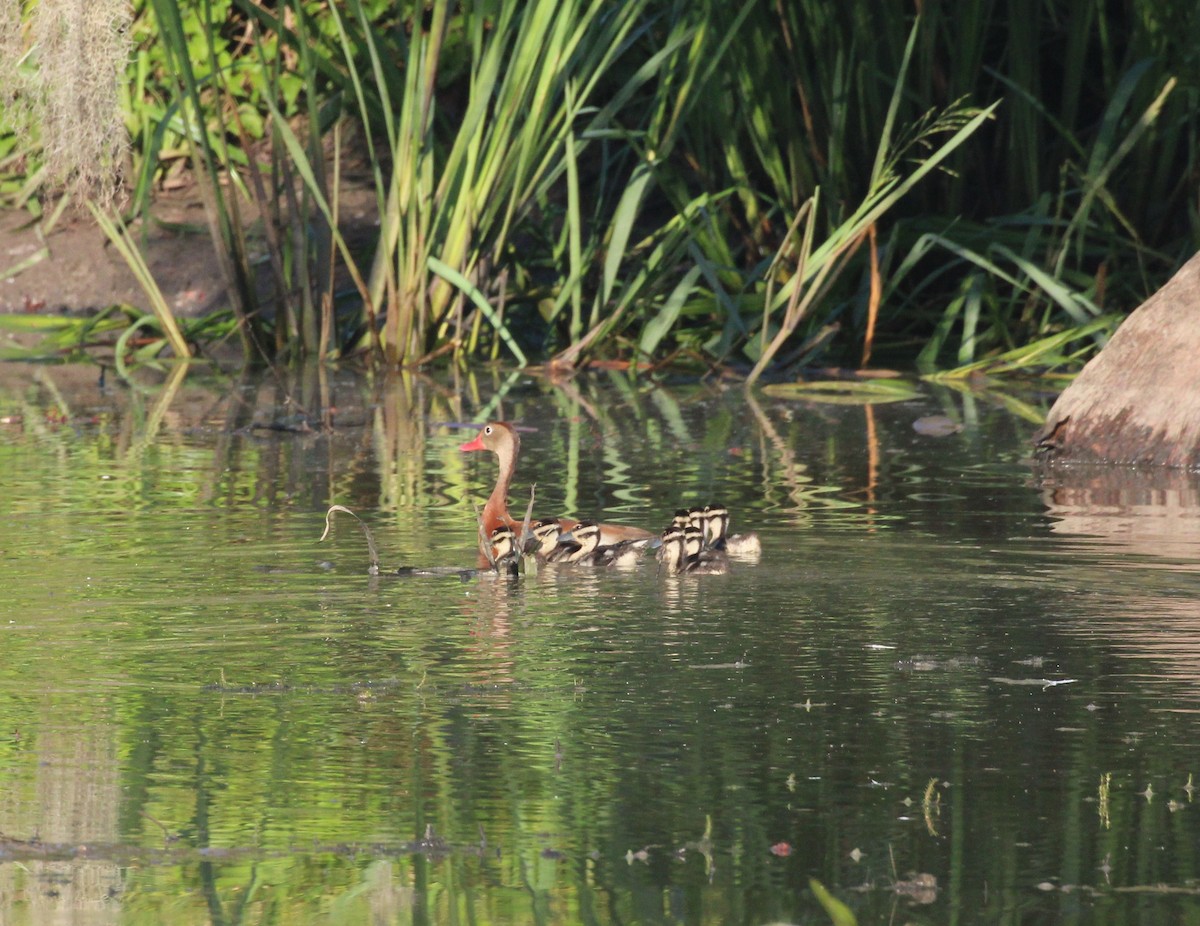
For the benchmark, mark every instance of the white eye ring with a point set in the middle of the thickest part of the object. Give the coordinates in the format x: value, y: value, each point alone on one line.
x: 488, y: 429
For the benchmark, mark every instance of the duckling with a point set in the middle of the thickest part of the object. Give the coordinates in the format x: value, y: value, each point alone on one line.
x: 699, y: 560
x: 504, y: 553
x: 580, y: 548
x: 672, y: 554
x: 583, y: 548
x: 716, y: 527
x: 545, y: 537
x: 623, y: 555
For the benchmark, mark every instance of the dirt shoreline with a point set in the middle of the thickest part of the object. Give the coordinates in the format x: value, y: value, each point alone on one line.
x: 75, y: 270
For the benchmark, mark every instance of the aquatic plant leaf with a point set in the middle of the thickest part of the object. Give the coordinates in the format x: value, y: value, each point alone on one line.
x: 39, y: 323
x: 839, y: 913
x: 846, y: 392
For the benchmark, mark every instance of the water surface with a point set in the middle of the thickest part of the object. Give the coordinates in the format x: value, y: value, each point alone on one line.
x: 952, y: 690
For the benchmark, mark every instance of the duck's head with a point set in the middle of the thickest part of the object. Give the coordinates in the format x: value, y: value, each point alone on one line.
x: 716, y: 524
x: 587, y: 535
x: 673, y: 551
x: 546, y: 534
x: 504, y: 547
x: 497, y: 436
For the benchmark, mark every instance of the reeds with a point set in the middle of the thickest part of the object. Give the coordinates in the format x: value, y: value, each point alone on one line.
x: 756, y: 183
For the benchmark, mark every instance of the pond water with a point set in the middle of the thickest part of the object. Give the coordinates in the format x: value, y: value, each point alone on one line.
x: 953, y: 689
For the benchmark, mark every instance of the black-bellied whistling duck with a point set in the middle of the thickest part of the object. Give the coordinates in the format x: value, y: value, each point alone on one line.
x: 545, y: 536
x: 583, y: 548
x: 673, y: 552
x: 699, y: 560
x: 716, y: 527
x: 504, y: 554
x: 580, y: 548
x: 502, y: 439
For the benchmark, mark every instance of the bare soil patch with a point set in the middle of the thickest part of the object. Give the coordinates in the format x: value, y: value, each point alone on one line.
x: 75, y: 269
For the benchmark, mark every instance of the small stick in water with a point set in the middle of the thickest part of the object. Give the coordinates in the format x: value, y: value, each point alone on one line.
x: 374, y: 568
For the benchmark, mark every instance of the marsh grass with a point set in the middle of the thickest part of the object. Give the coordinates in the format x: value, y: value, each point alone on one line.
x: 754, y: 183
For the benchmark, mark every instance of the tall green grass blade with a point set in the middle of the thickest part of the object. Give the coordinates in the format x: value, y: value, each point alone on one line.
x: 573, y: 287
x: 622, y: 228
x: 118, y: 235
x: 660, y: 325
x: 452, y: 276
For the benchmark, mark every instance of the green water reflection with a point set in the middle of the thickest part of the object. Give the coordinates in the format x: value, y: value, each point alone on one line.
x: 945, y: 666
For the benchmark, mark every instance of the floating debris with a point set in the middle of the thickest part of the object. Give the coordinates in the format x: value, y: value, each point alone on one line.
x: 922, y: 888
x: 936, y: 426
x: 1034, y: 682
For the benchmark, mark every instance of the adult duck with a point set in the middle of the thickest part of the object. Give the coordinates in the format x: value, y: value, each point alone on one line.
x: 501, y: 438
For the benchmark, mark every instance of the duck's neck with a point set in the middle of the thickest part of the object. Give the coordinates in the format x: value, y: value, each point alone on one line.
x: 495, y: 511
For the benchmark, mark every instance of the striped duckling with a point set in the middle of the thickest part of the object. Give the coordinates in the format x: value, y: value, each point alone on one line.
x: 717, y: 536
x: 672, y: 553
x: 580, y: 548
x: 702, y: 560
x: 544, y: 539
x: 504, y: 553
x: 584, y: 549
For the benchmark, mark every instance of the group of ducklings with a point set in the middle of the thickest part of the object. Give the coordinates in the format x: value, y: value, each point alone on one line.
x: 696, y: 542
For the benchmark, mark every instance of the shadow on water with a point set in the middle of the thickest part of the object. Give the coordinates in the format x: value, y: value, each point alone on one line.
x: 953, y: 689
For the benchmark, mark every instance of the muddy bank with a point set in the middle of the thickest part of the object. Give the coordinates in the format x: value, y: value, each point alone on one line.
x: 74, y: 269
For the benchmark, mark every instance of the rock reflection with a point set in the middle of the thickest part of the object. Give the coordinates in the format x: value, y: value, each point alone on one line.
x: 1146, y: 524
x: 73, y: 802
x: 1134, y: 504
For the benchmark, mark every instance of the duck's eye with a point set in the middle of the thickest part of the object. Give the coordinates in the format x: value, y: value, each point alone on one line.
x: 488, y: 429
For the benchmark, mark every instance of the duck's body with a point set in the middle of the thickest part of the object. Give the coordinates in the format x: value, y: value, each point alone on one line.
x: 502, y: 439
x: 623, y: 555
x: 699, y: 560
x: 716, y: 536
